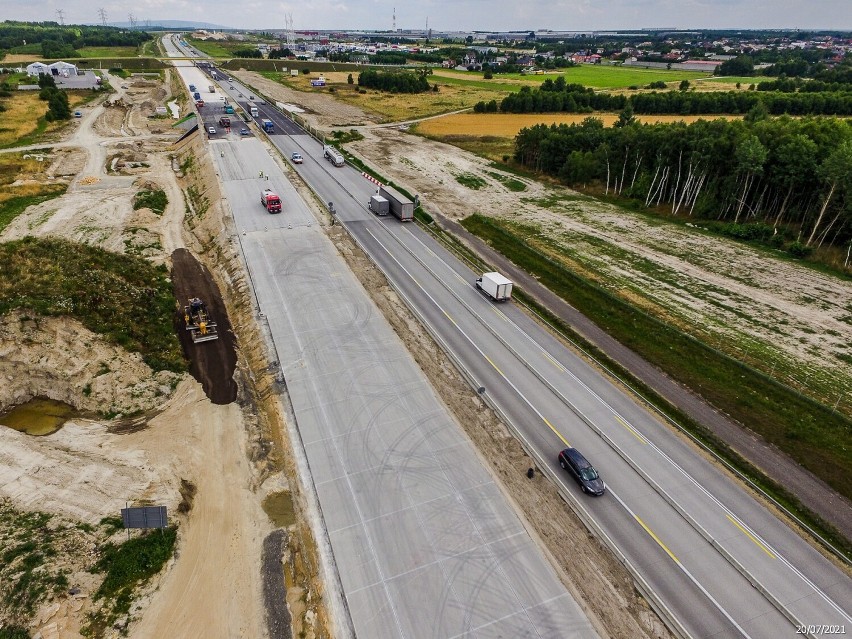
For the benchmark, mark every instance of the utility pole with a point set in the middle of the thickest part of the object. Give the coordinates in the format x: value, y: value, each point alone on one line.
x: 61, y: 15
x: 102, y: 14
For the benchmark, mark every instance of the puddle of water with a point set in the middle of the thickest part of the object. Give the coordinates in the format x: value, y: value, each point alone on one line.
x: 279, y: 508
x: 39, y: 416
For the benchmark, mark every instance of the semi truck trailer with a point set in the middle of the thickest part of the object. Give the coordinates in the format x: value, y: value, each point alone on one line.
x: 399, y: 205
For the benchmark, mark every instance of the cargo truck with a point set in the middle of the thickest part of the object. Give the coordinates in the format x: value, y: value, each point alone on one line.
x: 399, y: 205
x: 254, y: 112
x: 378, y: 205
x: 333, y: 155
x: 267, y: 125
x: 225, y: 122
x: 495, y: 286
x: 229, y: 108
x: 270, y: 201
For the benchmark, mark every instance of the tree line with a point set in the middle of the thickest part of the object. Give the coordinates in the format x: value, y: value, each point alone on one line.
x: 792, y: 176
x: 394, y: 82
x: 62, y: 41
x: 575, y: 98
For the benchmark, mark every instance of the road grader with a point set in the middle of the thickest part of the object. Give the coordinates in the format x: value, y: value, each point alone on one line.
x: 198, y: 322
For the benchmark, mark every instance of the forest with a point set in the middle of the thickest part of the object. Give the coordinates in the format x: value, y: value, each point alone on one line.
x: 62, y: 41
x: 784, y: 181
x: 557, y: 96
x: 394, y: 82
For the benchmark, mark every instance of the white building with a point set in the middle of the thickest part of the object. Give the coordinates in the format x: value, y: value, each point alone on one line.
x: 64, y: 69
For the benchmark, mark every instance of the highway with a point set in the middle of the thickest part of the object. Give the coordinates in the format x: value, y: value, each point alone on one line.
x: 715, y: 557
x: 424, y: 543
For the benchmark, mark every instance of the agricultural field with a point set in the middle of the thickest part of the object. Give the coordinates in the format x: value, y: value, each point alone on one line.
x: 492, y: 135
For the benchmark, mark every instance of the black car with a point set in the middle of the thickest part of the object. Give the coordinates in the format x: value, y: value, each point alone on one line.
x: 573, y: 461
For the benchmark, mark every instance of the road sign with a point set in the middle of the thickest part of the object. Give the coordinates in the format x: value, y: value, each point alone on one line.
x: 145, y: 517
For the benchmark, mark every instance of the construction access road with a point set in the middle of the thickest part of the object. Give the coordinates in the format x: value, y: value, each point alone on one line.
x: 714, y: 557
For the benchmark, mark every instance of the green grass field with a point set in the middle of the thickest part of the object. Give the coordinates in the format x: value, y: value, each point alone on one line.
x: 731, y: 79
x: 214, y: 49
x: 220, y: 49
x: 107, y: 52
x: 596, y: 76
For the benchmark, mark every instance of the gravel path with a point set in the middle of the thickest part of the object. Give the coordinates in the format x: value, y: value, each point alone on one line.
x: 278, y: 620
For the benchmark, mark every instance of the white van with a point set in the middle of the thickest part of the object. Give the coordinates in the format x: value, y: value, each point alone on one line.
x: 254, y: 112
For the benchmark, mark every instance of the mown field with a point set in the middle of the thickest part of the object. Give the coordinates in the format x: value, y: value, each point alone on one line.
x: 597, y: 76
x: 221, y: 49
x: 108, y: 52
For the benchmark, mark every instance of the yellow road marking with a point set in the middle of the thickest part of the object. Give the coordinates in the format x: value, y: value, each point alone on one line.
x: 558, y: 434
x: 750, y: 536
x: 553, y: 361
x: 450, y: 318
x: 632, y: 430
x: 500, y: 314
x: 494, y: 365
x: 657, y: 539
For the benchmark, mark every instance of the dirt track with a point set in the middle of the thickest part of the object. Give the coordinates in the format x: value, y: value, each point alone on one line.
x: 211, y: 363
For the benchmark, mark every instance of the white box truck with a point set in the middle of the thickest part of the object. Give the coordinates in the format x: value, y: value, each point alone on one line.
x: 378, y: 205
x: 253, y: 111
x: 399, y: 205
x: 495, y: 286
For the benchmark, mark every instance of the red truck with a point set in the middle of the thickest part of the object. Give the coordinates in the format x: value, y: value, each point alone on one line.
x: 271, y: 201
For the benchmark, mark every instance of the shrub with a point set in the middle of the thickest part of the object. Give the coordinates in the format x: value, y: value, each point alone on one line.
x: 799, y: 250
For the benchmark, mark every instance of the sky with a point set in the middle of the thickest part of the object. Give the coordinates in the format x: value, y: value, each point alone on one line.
x: 459, y: 15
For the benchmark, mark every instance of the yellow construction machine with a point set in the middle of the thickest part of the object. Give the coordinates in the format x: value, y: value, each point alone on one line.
x: 198, y: 322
